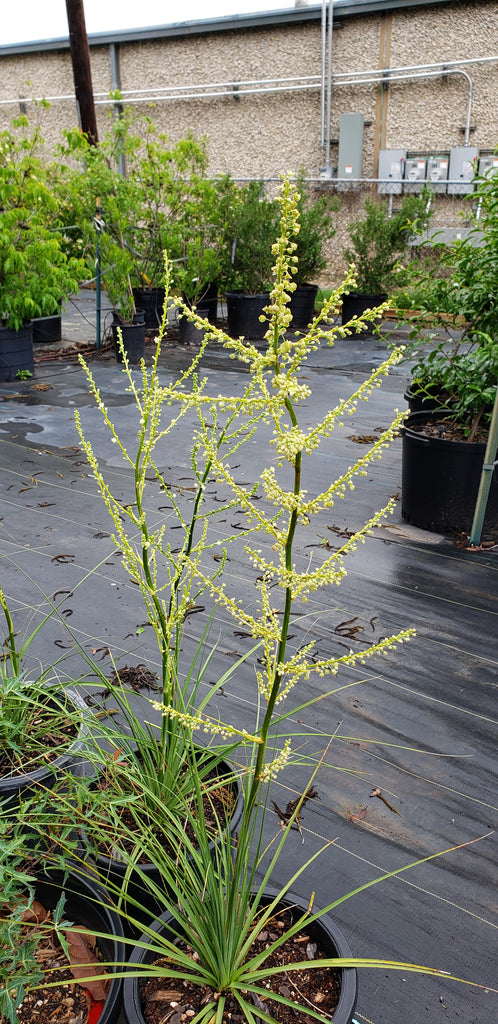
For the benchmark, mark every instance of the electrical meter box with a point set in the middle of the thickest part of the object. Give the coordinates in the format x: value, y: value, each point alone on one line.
x: 415, y: 169
x: 391, y: 167
x: 488, y: 165
x: 350, y: 159
x: 437, y: 173
x: 461, y: 170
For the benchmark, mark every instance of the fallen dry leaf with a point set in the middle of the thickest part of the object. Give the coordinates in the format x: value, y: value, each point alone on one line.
x: 84, y: 963
x: 34, y: 914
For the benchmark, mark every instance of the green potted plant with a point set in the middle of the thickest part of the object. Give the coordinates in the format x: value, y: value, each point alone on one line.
x: 453, y: 378
x: 35, y: 273
x: 197, y: 250
x: 247, y: 272
x: 175, y: 201
x: 89, y: 178
x: 315, y: 230
x: 206, y: 885
x: 56, y: 928
x: 379, y: 243
x: 42, y: 725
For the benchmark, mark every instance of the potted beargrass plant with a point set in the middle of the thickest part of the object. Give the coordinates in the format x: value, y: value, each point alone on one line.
x: 221, y: 946
x: 42, y: 725
x: 229, y: 893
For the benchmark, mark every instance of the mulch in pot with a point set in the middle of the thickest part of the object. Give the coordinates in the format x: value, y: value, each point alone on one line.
x: 448, y: 430
x: 50, y: 744
x: 178, y: 1001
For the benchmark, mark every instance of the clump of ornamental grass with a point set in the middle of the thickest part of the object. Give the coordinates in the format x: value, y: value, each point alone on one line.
x: 172, y: 579
x: 221, y: 903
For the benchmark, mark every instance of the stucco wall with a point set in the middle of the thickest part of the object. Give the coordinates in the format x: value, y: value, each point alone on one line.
x: 263, y: 135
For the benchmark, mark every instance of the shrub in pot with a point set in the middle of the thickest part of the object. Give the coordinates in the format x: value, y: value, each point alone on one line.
x: 35, y: 273
x: 457, y: 374
x: 197, y: 258
x: 379, y: 243
x: 247, y: 269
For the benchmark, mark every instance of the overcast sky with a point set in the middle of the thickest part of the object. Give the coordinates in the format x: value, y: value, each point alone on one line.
x: 28, y: 20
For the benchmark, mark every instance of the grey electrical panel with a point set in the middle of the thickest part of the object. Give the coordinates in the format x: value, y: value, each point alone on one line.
x: 391, y: 168
x: 461, y: 170
x: 437, y: 173
x: 488, y: 165
x: 350, y: 160
x: 415, y: 169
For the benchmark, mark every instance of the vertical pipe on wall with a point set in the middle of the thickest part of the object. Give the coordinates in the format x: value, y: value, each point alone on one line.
x: 116, y: 86
x: 322, y: 92
x: 330, y: 27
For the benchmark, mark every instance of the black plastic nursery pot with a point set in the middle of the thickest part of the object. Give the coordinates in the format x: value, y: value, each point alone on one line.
x: 73, y: 761
x: 151, y: 301
x: 356, y: 303
x: 139, y: 904
x: 87, y: 905
x: 16, y: 351
x: 324, y: 931
x: 302, y: 306
x: 190, y: 333
x: 243, y: 313
x: 47, y: 329
x: 208, y: 303
x: 133, y: 336
x: 440, y: 479
x: 423, y: 401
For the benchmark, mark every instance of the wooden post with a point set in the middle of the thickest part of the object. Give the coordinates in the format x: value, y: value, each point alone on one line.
x: 80, y: 57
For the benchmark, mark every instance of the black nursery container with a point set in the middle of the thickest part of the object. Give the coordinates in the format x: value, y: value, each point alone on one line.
x: 88, y: 905
x: 302, y: 306
x: 16, y: 351
x: 440, y: 479
x: 151, y: 301
x: 356, y: 303
x: 243, y: 313
x: 324, y: 931
x: 133, y: 338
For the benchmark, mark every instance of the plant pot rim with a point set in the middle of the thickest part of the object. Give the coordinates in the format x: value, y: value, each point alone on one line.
x: 10, y: 785
x: 241, y: 293
x: 80, y: 885
x: 426, y: 415
x: 349, y: 975
x: 106, y: 864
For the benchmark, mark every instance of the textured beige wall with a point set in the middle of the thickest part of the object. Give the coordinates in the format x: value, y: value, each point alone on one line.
x: 263, y: 135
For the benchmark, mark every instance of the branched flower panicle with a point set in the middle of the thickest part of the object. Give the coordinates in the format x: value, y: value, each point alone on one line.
x: 168, y: 581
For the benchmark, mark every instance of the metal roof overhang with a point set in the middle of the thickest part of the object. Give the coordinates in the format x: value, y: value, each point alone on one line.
x: 342, y: 9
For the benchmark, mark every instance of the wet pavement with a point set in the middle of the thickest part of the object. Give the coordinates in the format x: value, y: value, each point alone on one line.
x: 419, y: 724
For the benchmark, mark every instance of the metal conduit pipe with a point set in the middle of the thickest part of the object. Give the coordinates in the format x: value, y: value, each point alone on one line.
x: 330, y: 27
x: 209, y: 95
x: 445, y: 67
x: 223, y: 85
x: 422, y: 74
x: 423, y: 67
x: 322, y: 89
